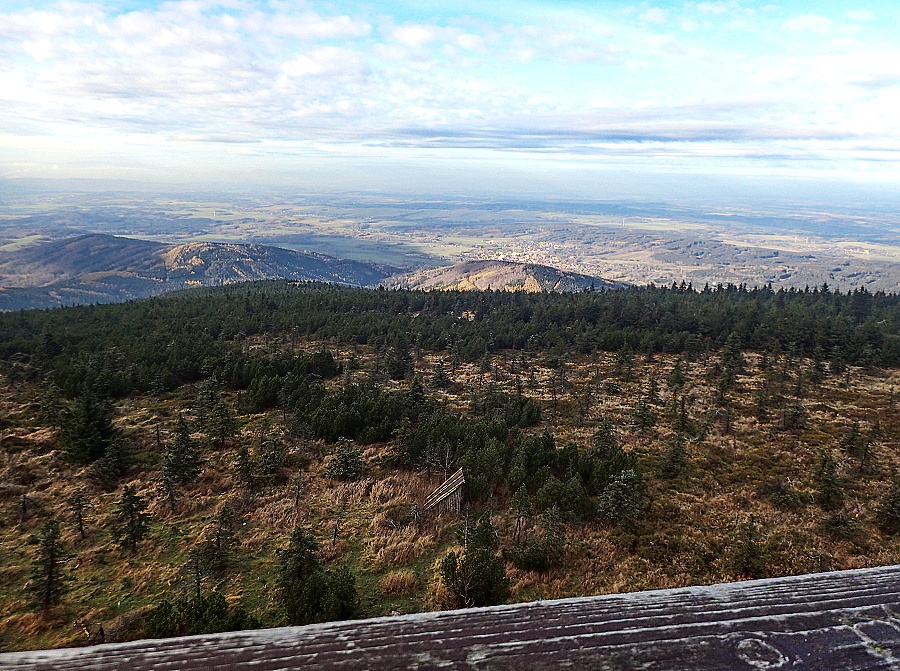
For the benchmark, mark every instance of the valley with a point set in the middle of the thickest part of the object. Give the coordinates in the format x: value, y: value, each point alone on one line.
x: 622, y: 241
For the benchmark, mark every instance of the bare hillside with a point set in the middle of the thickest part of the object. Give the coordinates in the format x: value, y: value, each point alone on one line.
x: 98, y: 268
x: 502, y: 276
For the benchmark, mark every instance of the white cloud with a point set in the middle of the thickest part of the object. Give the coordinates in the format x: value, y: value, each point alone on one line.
x: 812, y: 23
x: 274, y: 71
x: 325, y: 61
x: 653, y: 15
x: 311, y: 26
x: 414, y: 35
x: 859, y: 15
x: 716, y: 8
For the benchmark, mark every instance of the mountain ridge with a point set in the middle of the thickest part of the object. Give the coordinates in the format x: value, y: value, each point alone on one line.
x: 102, y: 268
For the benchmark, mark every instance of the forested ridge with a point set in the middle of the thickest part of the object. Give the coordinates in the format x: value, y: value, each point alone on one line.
x: 177, y: 338
x: 259, y: 454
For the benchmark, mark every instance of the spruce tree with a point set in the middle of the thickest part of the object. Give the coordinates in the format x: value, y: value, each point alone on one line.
x: 223, y: 425
x: 308, y: 593
x: 86, y: 427
x: 887, y: 516
x: 749, y: 556
x: 245, y: 470
x: 830, y: 491
x: 49, y: 580
x: 623, y: 500
x: 114, y: 463
x: 132, y: 521
x: 677, y: 378
x: 603, y: 442
x: 181, y: 460
x: 79, y: 505
x: 477, y: 576
x: 218, y: 547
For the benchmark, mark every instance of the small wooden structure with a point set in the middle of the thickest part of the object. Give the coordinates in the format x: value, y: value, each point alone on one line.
x: 449, y: 492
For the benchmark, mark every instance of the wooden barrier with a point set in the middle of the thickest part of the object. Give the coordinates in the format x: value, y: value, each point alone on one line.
x: 847, y: 620
x: 448, y: 489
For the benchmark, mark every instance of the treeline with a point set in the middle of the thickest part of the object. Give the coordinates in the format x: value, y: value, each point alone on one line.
x: 163, y: 342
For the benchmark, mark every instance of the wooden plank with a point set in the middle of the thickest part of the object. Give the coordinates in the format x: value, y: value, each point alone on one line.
x: 445, y: 489
x: 847, y: 620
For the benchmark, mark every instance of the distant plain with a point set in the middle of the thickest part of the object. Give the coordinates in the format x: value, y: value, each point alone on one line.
x: 626, y: 241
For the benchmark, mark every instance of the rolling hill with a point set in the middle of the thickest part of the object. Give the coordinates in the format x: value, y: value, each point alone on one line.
x: 97, y: 268
x: 502, y: 276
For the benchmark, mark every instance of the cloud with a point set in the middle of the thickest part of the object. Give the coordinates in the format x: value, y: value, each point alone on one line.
x: 549, y: 77
x: 653, y: 15
x: 714, y: 8
x: 325, y: 62
x: 859, y: 15
x: 414, y: 35
x: 811, y: 23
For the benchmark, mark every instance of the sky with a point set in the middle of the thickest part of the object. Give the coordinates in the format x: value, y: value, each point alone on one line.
x: 505, y: 95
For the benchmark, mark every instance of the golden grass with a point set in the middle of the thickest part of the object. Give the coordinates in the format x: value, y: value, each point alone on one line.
x: 396, y: 546
x: 398, y: 583
x: 332, y: 550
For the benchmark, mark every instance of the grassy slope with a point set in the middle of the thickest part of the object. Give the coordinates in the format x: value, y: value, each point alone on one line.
x: 688, y: 535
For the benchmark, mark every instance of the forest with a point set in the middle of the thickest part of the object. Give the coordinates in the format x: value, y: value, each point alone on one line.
x: 260, y: 454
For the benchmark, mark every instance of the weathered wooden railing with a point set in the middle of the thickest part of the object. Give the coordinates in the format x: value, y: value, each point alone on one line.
x: 847, y: 620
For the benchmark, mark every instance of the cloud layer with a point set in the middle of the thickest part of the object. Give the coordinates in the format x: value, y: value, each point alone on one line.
x: 172, y: 87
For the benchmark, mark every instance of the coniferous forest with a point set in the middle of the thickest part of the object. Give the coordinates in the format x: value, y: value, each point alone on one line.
x: 260, y: 454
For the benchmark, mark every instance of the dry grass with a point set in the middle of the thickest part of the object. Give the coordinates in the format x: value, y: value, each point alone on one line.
x: 398, y: 583
x: 396, y: 547
x: 332, y: 550
x: 437, y: 596
x: 686, y: 537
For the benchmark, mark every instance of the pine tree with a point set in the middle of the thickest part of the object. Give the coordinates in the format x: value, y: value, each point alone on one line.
x: 830, y: 492
x: 79, y: 505
x: 476, y: 577
x: 677, y: 378
x: 245, y: 470
x: 223, y: 424
x: 132, y: 521
x: 49, y: 580
x: 86, y: 427
x: 308, y: 593
x: 181, y: 460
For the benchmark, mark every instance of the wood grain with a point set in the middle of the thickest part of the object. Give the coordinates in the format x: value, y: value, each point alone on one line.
x: 841, y: 620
